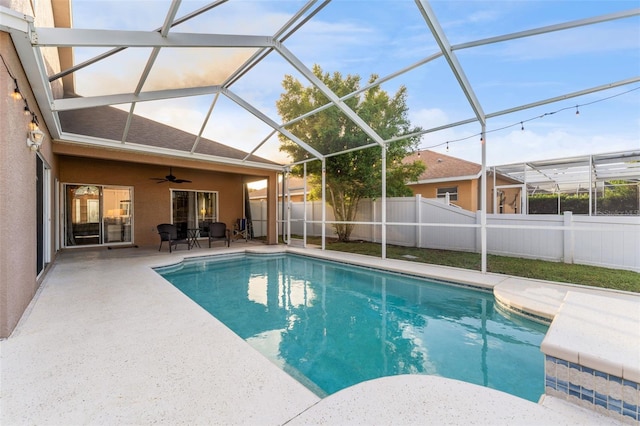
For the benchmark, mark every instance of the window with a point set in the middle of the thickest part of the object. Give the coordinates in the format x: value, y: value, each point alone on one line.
x: 190, y: 209
x: 452, y: 190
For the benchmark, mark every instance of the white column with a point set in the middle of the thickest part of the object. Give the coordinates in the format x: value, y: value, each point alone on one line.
x: 483, y: 202
x: 384, y: 202
x: 324, y: 202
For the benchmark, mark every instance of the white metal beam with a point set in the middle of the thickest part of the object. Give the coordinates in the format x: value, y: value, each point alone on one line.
x: 72, y: 37
x: 566, y: 96
x: 75, y: 139
x: 10, y: 20
x: 454, y: 64
x: 173, y: 9
x: 262, y: 53
x: 119, y: 49
x: 33, y: 65
x: 204, y: 123
x: 67, y: 104
x: 250, y: 108
x: 298, y: 65
x: 549, y: 29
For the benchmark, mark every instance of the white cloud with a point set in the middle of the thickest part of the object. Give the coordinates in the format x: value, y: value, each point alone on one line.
x: 428, y: 117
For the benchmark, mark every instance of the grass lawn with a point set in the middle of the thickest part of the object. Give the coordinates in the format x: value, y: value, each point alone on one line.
x: 539, y: 269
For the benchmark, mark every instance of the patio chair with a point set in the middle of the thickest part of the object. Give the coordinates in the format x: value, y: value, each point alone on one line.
x: 219, y: 231
x: 169, y: 233
x: 242, y: 229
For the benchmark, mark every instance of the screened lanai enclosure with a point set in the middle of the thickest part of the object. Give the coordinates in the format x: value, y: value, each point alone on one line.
x: 599, y: 184
x: 475, y: 73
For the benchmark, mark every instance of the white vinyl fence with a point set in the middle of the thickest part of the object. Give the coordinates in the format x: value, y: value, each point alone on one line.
x: 608, y: 241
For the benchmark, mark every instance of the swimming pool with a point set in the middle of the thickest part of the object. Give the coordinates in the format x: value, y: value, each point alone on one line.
x: 332, y: 325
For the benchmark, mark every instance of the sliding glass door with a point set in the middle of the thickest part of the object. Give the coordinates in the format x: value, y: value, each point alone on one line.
x: 96, y: 215
x: 190, y: 209
x: 116, y: 217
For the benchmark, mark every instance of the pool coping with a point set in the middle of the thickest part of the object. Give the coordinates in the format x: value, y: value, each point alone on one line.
x: 70, y: 308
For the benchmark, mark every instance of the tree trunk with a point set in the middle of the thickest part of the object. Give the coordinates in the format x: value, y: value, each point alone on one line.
x: 344, y: 211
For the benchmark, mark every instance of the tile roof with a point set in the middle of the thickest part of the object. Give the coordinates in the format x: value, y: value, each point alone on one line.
x: 108, y: 123
x: 441, y: 166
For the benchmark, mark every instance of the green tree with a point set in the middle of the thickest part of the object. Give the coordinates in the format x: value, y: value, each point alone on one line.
x: 354, y: 175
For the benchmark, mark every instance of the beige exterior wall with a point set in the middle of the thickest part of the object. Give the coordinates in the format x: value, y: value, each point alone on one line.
x: 467, y: 192
x: 152, y: 200
x: 18, y: 239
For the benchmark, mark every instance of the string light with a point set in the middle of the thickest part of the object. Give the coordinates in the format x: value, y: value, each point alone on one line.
x: 33, y: 125
x: 530, y: 119
x: 16, y: 95
x: 447, y: 146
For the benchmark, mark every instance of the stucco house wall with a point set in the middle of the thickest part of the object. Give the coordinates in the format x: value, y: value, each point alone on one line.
x: 152, y: 200
x: 467, y: 192
x: 18, y: 238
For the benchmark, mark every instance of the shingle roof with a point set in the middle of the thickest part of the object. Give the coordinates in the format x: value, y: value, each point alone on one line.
x: 441, y: 166
x: 109, y: 123
x: 296, y: 187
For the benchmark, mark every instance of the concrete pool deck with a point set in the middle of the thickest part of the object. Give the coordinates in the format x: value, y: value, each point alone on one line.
x: 108, y: 341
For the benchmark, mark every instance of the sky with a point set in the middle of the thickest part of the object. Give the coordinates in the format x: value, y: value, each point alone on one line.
x: 380, y: 37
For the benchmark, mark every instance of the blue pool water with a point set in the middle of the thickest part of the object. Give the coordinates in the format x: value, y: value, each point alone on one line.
x: 332, y: 325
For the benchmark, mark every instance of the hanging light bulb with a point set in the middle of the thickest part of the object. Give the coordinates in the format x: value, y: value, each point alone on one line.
x: 447, y: 146
x: 577, y: 110
x: 16, y: 95
x: 33, y: 125
x: 521, y: 126
x: 418, y: 153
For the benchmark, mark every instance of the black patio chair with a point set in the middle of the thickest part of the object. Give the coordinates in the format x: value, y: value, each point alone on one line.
x: 219, y: 231
x: 169, y: 233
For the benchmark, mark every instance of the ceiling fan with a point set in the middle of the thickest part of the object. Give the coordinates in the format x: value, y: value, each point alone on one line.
x: 170, y: 178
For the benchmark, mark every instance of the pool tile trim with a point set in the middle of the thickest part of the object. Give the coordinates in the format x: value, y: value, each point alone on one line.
x: 590, y: 388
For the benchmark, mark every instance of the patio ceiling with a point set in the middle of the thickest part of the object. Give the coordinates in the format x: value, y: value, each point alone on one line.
x: 165, y: 65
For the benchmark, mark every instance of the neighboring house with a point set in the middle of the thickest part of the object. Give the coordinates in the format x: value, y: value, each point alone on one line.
x: 444, y: 175
x: 462, y: 180
x: 94, y: 185
x: 295, y: 188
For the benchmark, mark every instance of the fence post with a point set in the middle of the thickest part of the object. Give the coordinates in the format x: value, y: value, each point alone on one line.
x: 419, y: 220
x: 374, y: 228
x: 568, y: 237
